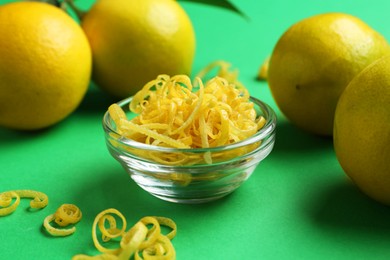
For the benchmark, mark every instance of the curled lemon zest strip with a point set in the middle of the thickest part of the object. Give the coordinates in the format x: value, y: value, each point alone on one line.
x: 263, y: 71
x: 117, y: 114
x: 65, y: 215
x: 152, y: 232
x: 197, y: 105
x: 6, y: 199
x: 164, y: 221
x: 162, y: 249
x: 130, y: 126
x: 55, y: 231
x: 132, y: 240
x: 139, y: 241
x: 112, y: 232
x: 109, y: 233
x: 39, y: 200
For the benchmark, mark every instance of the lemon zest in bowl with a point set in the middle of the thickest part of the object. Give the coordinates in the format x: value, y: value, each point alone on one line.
x: 199, y: 119
x: 223, y: 70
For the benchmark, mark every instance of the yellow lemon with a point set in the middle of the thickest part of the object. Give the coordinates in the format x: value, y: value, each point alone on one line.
x: 134, y: 41
x: 313, y: 62
x: 362, y: 130
x: 45, y: 65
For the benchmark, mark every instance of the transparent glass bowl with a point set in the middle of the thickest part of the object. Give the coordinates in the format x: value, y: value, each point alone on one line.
x: 188, y: 178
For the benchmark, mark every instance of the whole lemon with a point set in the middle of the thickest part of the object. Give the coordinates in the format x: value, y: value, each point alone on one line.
x: 133, y: 41
x: 362, y: 130
x: 313, y: 62
x: 45, y: 65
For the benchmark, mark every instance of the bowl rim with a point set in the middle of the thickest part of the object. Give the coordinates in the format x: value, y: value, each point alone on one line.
x: 267, y: 130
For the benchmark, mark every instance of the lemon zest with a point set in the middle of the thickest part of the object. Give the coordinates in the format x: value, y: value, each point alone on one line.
x: 111, y: 232
x: 132, y: 240
x: 6, y: 199
x: 152, y: 233
x: 164, y: 221
x: 139, y: 241
x: 55, y: 231
x: 263, y: 71
x: 117, y: 115
x: 171, y: 114
x: 224, y: 71
x: 39, y: 200
x: 162, y: 249
x: 66, y: 214
x: 127, y: 125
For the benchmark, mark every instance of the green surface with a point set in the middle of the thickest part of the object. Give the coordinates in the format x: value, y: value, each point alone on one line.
x: 298, y: 204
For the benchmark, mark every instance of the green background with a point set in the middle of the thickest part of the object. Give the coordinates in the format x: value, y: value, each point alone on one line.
x: 298, y: 204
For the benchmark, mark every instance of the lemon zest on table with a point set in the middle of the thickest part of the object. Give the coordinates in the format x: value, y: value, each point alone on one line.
x: 109, y: 233
x: 132, y: 240
x: 164, y: 221
x: 66, y: 214
x: 6, y: 199
x: 161, y: 250
x: 142, y: 241
x: 10, y: 200
x: 263, y: 71
x: 153, y: 232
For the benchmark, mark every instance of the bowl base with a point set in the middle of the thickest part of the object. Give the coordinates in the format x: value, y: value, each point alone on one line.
x: 183, y: 196
x: 191, y: 200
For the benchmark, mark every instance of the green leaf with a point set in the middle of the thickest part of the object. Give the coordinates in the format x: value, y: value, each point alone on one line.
x: 220, y: 3
x: 53, y: 2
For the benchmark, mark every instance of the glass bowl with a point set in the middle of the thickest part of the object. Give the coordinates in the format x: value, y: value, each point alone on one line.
x: 188, y: 178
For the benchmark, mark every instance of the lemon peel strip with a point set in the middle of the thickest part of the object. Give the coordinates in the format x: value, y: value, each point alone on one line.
x: 194, y: 112
x: 139, y: 241
x: 65, y: 215
x: 113, y: 230
x: 39, y: 200
x: 117, y: 114
x: 164, y: 221
x: 6, y: 199
x: 263, y: 71
x: 55, y: 231
x: 161, y: 250
x: 152, y: 233
x: 129, y: 126
x: 132, y: 240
